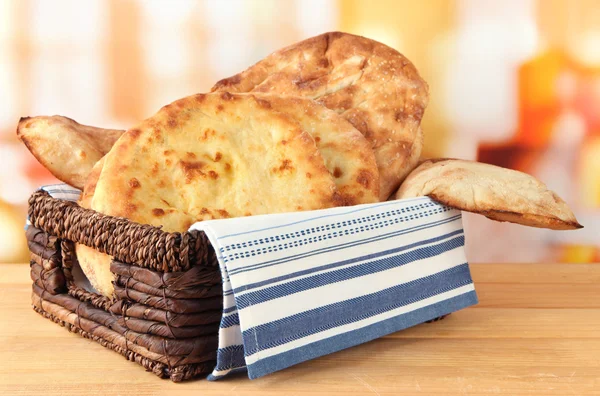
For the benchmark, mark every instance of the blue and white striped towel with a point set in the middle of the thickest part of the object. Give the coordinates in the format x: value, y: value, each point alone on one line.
x: 301, y: 285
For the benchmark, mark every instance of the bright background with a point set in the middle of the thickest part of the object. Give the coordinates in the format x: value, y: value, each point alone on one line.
x: 513, y: 82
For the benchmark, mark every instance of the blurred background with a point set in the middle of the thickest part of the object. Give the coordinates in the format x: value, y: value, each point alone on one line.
x: 514, y: 83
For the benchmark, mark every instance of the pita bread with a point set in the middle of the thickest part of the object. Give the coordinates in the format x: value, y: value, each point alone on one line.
x: 370, y: 84
x: 67, y: 149
x: 213, y: 156
x: 346, y: 152
x: 94, y: 264
x: 497, y: 193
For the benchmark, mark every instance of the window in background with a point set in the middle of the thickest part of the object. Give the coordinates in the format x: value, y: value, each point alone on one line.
x: 553, y: 138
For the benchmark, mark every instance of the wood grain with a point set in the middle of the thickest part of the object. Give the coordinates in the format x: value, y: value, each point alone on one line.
x: 535, y: 331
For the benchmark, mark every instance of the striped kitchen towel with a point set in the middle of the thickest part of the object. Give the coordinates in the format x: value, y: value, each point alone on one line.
x: 301, y: 285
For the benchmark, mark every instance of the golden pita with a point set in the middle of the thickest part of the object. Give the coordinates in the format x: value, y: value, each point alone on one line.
x: 497, y: 193
x: 67, y: 149
x: 213, y: 156
x: 368, y: 83
x: 346, y: 152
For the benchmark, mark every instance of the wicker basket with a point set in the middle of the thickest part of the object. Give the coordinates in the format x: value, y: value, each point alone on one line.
x: 168, y: 294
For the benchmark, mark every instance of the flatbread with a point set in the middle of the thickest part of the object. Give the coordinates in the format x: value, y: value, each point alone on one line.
x: 370, y: 84
x: 213, y: 156
x: 346, y: 152
x: 94, y: 264
x: 66, y: 148
x: 497, y: 193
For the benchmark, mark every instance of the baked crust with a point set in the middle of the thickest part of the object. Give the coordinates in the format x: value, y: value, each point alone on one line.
x: 371, y: 85
x: 212, y: 156
x: 66, y: 148
x: 497, y: 193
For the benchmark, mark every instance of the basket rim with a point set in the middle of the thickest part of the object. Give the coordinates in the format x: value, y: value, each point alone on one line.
x: 143, y: 245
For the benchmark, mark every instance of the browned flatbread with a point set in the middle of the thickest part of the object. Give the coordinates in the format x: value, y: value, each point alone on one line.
x: 370, y: 84
x: 497, y: 193
x: 213, y: 156
x: 346, y: 152
x: 66, y: 148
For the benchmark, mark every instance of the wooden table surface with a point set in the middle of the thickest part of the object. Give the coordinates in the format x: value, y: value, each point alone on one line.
x: 536, y: 329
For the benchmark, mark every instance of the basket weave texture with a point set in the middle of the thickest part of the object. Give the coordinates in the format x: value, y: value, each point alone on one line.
x: 167, y: 305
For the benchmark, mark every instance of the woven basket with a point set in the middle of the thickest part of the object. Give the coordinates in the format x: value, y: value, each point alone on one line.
x: 168, y: 295
x: 168, y: 292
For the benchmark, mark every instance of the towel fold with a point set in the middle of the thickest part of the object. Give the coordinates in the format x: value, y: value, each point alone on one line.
x: 301, y: 285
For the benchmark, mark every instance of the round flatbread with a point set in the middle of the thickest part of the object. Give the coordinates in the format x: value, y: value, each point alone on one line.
x: 346, y: 152
x: 213, y: 156
x: 497, y: 193
x: 94, y: 264
x: 371, y: 85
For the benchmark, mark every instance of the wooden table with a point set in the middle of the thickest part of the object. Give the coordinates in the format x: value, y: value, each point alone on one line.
x: 535, y: 330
